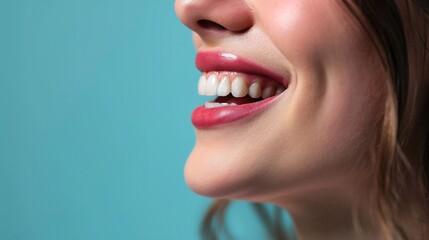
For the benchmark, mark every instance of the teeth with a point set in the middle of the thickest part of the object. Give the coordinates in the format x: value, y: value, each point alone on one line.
x: 239, y: 87
x: 255, y: 90
x: 211, y: 85
x: 224, y: 88
x: 268, y: 92
x: 201, y: 84
x: 216, y: 104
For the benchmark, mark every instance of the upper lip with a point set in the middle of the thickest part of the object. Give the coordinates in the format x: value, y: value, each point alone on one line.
x: 208, y: 61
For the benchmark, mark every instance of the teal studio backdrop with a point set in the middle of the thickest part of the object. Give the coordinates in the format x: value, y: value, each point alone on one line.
x: 95, y: 105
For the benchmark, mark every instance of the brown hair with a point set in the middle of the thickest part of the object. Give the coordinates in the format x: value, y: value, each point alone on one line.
x: 399, y: 164
x: 402, y: 149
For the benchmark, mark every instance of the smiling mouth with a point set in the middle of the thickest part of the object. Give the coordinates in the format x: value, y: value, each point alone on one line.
x: 234, y: 88
x: 242, y: 88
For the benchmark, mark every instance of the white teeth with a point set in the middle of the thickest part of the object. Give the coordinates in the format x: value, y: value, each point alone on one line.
x: 268, y: 92
x: 255, y: 90
x: 201, y: 84
x: 211, y: 85
x: 212, y: 105
x: 216, y: 104
x: 224, y: 87
x: 239, y: 87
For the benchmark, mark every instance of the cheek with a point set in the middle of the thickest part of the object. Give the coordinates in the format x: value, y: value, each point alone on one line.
x: 338, y: 93
x: 307, y: 31
x: 338, y: 75
x: 334, y: 122
x: 297, y: 28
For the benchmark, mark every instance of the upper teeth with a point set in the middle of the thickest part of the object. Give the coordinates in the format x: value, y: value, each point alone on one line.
x: 211, y: 84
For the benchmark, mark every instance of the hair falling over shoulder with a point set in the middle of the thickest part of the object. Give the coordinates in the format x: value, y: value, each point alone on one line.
x: 400, y: 168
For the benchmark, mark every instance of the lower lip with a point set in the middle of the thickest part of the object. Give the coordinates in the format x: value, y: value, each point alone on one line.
x: 203, y: 117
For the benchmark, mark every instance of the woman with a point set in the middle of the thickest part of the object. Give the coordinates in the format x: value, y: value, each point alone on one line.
x: 321, y: 109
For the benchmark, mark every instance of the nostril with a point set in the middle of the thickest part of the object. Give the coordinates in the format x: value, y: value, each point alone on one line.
x: 207, y: 24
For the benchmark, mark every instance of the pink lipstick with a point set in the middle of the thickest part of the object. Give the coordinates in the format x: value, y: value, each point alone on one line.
x: 232, y: 105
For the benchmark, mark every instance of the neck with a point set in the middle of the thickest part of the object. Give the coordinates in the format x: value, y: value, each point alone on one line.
x: 346, y: 213
x: 331, y: 214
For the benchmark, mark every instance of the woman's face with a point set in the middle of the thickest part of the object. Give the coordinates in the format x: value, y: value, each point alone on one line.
x: 309, y: 136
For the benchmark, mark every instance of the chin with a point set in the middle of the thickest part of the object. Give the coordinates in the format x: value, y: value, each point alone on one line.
x: 215, y: 175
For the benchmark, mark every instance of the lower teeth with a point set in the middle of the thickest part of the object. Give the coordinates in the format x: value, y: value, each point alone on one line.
x: 216, y: 104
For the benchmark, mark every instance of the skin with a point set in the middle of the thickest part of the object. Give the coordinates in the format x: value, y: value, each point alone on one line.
x: 304, y: 151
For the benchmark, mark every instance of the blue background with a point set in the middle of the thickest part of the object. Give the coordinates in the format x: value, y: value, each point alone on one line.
x: 95, y: 104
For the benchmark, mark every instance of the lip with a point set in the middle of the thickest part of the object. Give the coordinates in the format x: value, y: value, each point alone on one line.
x: 203, y: 117
x: 223, y: 61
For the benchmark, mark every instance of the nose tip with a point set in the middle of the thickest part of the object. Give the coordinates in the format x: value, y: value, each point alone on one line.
x: 206, y: 17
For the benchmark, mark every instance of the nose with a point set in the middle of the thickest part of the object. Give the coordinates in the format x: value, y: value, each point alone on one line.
x: 210, y: 18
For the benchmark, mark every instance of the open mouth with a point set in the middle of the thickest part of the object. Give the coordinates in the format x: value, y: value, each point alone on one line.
x: 233, y: 88
x: 242, y: 88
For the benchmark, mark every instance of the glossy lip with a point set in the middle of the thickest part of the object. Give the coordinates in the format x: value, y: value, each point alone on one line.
x: 203, y: 117
x: 222, y: 61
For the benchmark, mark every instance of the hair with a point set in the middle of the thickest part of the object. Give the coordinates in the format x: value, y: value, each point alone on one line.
x: 402, y: 148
